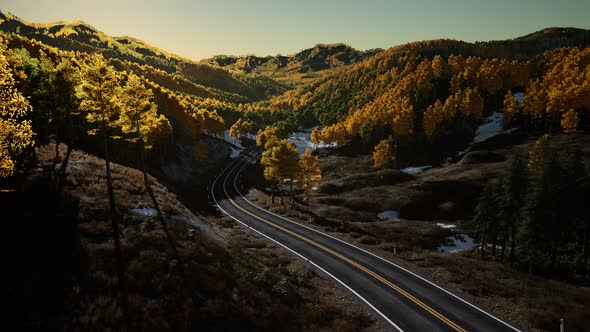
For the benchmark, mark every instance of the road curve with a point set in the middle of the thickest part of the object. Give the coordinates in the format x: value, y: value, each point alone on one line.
x: 406, y: 301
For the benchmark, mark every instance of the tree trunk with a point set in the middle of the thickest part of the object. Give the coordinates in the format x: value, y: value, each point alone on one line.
x: 483, y: 238
x: 123, y: 296
x: 61, y: 177
x: 512, y: 243
x: 164, y: 223
x: 494, y: 245
x: 504, y: 240
x: 585, y: 253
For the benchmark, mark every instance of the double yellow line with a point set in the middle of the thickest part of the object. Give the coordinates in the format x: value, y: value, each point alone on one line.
x: 348, y: 260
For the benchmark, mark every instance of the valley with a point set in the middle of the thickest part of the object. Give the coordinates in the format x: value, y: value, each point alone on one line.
x: 436, y: 185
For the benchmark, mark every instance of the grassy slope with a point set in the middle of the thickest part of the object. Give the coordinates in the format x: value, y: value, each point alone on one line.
x: 244, y: 283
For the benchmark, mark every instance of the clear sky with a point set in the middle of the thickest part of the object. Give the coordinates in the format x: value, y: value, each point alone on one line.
x: 201, y: 28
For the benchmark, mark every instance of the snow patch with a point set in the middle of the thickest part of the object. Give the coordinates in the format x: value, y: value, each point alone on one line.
x: 456, y: 243
x: 491, y: 126
x: 302, y: 140
x: 234, y: 153
x: 446, y: 226
x: 389, y: 215
x: 416, y: 169
x: 145, y: 212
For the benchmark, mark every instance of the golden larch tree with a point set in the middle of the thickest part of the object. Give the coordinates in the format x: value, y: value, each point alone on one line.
x: 97, y: 92
x: 384, y: 153
x: 269, y: 134
x: 510, y: 108
x: 281, y: 163
x: 316, y: 137
x: 309, y: 173
x: 537, y: 155
x: 569, y: 121
x: 16, y: 133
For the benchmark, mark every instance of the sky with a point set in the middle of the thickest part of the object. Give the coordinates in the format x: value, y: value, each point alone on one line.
x: 198, y: 29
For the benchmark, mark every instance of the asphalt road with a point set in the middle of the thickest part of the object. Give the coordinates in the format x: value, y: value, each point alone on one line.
x: 406, y: 301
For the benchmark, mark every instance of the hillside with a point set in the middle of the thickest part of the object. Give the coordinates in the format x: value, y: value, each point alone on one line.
x: 79, y: 36
x: 295, y: 69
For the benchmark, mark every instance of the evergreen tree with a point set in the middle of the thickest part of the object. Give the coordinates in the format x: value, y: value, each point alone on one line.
x: 487, y: 212
x: 309, y: 173
x: 281, y: 162
x: 16, y: 133
x: 542, y: 223
x: 514, y: 186
x: 97, y: 91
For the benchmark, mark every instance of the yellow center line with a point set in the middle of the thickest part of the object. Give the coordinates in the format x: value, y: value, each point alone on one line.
x: 348, y: 260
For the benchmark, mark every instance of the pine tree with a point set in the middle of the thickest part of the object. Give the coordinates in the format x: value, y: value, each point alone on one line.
x: 16, y: 133
x: 542, y: 229
x: 510, y: 108
x: 537, y: 155
x: 65, y: 80
x: 315, y: 137
x: 486, y: 218
x: 281, y: 162
x: 514, y: 186
x: 269, y: 134
x: 569, y: 121
x: 97, y: 91
x: 384, y: 153
x: 309, y: 173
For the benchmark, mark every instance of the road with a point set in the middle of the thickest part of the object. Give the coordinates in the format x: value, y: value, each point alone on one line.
x: 405, y: 300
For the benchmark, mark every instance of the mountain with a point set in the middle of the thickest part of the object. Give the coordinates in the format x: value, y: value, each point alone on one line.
x: 211, y: 81
x: 295, y: 69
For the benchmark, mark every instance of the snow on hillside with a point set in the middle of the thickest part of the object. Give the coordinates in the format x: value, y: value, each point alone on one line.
x: 302, y: 140
x: 415, y: 170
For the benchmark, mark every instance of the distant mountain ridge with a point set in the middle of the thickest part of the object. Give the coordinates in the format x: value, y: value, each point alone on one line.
x: 81, y: 37
x: 319, y: 57
x: 300, y: 66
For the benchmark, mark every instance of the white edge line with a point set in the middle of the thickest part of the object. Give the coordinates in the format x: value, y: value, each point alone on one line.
x: 379, y: 257
x: 301, y: 256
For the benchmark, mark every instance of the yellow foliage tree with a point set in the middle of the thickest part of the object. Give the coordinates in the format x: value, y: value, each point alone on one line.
x: 267, y: 135
x: 569, y: 121
x: 316, y: 137
x: 384, y: 153
x: 309, y: 173
x: 97, y: 91
x: 281, y: 162
x: 510, y: 108
x: 537, y: 155
x: 438, y: 66
x: 16, y: 134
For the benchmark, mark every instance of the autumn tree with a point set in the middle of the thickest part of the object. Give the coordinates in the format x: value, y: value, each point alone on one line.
x: 510, y: 108
x: 143, y: 126
x: 240, y: 127
x: 316, y: 137
x: 97, y: 92
x: 569, y: 121
x: 281, y: 162
x: 384, y: 153
x: 537, y: 155
x: 309, y: 174
x: 16, y: 133
x: 438, y: 66
x: 267, y: 135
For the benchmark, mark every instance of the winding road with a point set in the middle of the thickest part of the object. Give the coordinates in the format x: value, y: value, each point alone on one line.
x: 405, y: 300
